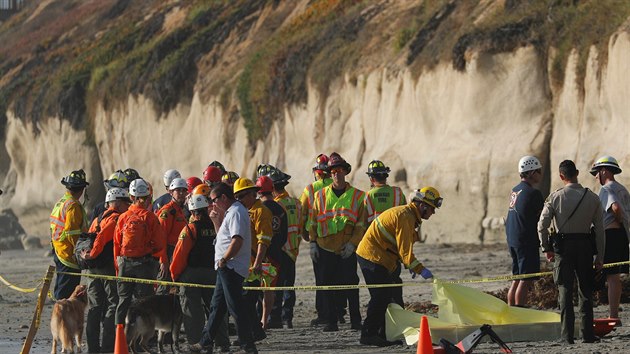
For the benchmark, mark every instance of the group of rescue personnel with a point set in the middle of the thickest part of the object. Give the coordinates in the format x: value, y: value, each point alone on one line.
x: 193, y: 234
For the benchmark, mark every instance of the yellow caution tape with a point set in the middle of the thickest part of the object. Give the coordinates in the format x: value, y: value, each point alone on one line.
x: 328, y: 287
x: 17, y: 288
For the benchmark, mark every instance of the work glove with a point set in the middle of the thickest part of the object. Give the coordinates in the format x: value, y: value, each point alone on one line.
x: 413, y: 274
x: 426, y: 273
x: 314, y: 252
x: 347, y: 250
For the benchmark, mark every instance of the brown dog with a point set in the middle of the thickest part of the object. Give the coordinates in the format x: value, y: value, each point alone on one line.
x: 67, y: 319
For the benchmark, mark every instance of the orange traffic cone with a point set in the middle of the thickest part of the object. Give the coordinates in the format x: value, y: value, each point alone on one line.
x: 425, y: 346
x: 120, y: 345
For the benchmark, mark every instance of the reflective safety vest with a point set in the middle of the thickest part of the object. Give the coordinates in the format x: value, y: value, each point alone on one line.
x: 379, y: 199
x: 309, y: 194
x: 63, y: 241
x: 335, y: 213
x: 293, y: 209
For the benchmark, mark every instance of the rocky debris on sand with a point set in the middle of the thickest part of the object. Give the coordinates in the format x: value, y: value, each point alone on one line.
x: 424, y: 307
x: 11, y: 231
x: 31, y: 242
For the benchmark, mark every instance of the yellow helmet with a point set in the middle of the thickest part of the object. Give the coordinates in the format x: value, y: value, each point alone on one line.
x: 428, y: 195
x: 243, y: 184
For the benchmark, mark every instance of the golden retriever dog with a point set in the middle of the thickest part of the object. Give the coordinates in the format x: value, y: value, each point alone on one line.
x: 66, y: 323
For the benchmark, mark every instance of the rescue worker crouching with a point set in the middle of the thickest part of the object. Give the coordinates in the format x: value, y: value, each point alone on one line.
x: 337, y: 226
x: 193, y: 262
x: 138, y: 240
x: 67, y: 221
x: 388, y: 240
x: 102, y: 294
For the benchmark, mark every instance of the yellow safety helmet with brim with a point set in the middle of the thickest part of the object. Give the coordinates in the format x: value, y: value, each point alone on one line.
x: 605, y: 161
x: 244, y: 184
x: 428, y: 195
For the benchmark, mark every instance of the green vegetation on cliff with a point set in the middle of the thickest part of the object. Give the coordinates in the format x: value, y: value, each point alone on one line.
x: 64, y: 57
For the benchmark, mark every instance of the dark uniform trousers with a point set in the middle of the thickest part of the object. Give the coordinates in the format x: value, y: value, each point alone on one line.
x: 374, y: 324
x: 576, y: 260
x: 102, y: 302
x: 335, y: 270
x: 141, y: 268
x: 194, y: 302
x: 285, y: 300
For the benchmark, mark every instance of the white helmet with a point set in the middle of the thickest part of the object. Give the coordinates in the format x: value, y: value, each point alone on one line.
x: 169, y: 176
x: 528, y: 163
x: 198, y: 201
x: 116, y: 193
x: 178, y: 183
x: 139, y: 188
x: 605, y: 161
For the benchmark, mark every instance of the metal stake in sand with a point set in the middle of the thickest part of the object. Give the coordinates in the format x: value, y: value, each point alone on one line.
x: 32, y: 330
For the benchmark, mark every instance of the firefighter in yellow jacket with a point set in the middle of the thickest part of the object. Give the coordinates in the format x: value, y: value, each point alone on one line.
x: 337, y: 226
x: 388, y: 241
x: 67, y: 220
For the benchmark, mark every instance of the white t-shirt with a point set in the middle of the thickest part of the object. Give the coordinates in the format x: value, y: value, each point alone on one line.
x: 614, y: 192
x: 236, y: 222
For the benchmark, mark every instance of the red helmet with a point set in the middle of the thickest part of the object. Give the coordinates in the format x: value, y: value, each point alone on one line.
x: 192, y: 182
x: 337, y: 161
x: 265, y: 184
x: 321, y: 163
x: 212, y: 174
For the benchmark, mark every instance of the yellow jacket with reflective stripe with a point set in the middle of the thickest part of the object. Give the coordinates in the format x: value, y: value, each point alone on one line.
x: 293, y: 208
x: 307, y: 199
x: 67, y: 220
x: 390, y: 238
x: 337, y: 220
x: 261, y: 218
x: 379, y: 199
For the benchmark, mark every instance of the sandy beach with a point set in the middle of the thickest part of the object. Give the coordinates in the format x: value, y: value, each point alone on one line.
x: 448, y: 262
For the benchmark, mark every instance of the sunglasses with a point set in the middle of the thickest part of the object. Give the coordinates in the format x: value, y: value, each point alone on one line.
x: 337, y: 170
x: 214, y: 200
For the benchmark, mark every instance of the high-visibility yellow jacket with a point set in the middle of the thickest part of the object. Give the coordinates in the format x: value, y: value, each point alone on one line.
x: 390, y: 238
x: 67, y: 220
x: 262, y: 230
x: 307, y: 200
x: 379, y: 199
x: 337, y: 220
x: 293, y: 208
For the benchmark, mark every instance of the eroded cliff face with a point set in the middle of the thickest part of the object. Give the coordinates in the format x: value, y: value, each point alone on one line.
x: 462, y: 132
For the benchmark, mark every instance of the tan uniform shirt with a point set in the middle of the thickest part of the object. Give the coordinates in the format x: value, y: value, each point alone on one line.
x: 559, y: 206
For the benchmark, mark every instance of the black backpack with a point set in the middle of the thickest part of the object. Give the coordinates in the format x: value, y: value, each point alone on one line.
x: 86, y: 242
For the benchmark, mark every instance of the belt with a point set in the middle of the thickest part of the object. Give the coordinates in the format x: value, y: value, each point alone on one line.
x: 575, y: 236
x: 143, y: 258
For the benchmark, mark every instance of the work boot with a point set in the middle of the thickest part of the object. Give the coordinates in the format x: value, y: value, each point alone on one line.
x: 318, y: 321
x: 331, y: 327
x: 356, y: 326
x: 287, y: 324
x: 377, y: 341
x: 274, y: 324
x: 198, y: 348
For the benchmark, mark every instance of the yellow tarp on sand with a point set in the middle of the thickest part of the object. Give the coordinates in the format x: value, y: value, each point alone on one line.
x: 463, y: 309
